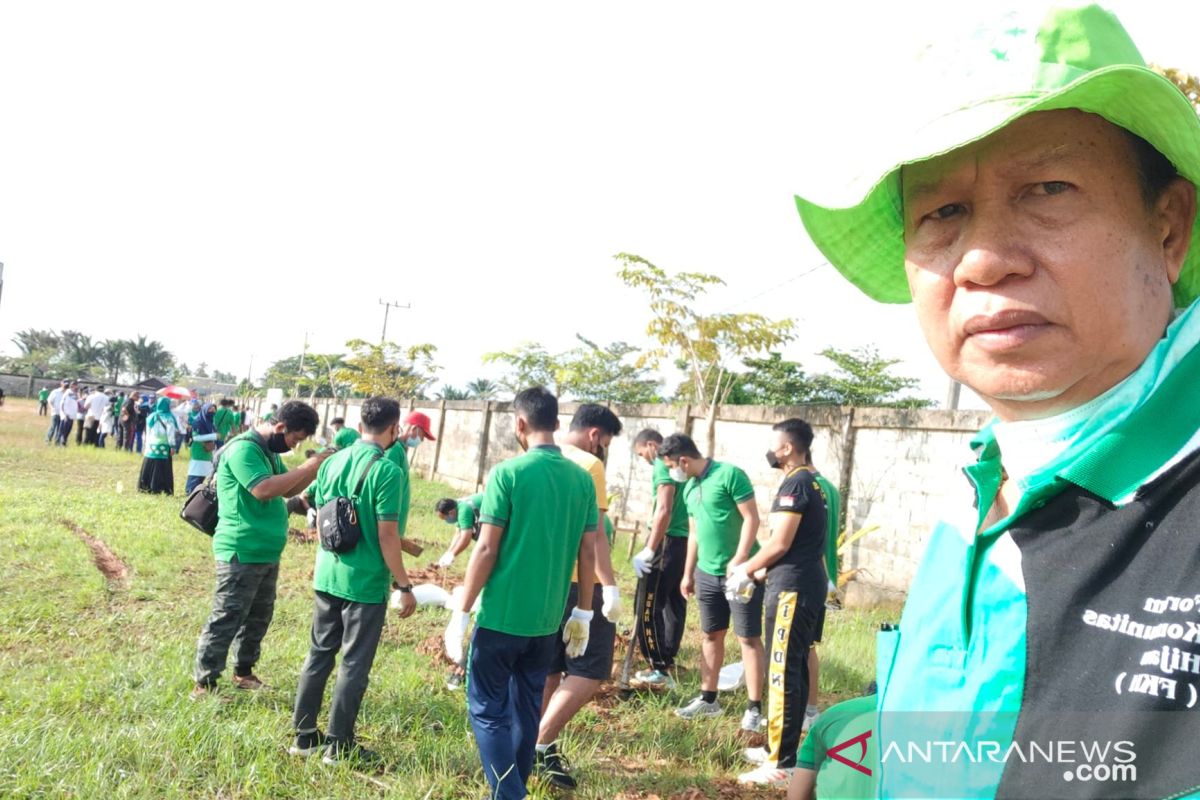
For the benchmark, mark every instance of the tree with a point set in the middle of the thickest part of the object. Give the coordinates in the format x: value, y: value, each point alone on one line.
x: 313, y: 379
x: 202, y: 370
x: 79, y: 354
x: 388, y: 369
x: 448, y: 392
x: 1188, y: 84
x: 39, y: 350
x: 113, y: 358
x: 709, y: 344
x: 224, y: 377
x: 148, y: 358
x: 771, y: 381
x: 864, y: 378
x: 608, y: 374
x: 528, y: 365
x: 482, y: 389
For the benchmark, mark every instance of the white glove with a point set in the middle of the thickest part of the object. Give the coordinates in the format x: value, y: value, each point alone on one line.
x: 576, y: 632
x: 641, y: 563
x: 456, y: 632
x: 612, y: 602
x: 446, y: 559
x: 831, y: 586
x: 739, y: 586
x: 311, y: 517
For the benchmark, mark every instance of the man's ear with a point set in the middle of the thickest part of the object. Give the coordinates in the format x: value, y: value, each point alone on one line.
x: 1176, y: 214
x: 279, y: 427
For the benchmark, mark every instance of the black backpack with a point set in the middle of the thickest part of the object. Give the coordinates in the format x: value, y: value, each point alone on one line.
x: 337, y: 518
x: 200, y: 508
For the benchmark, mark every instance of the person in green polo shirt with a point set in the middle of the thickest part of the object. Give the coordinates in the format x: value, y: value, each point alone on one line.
x: 659, y: 567
x: 847, y: 729
x: 723, y: 522
x: 352, y: 588
x: 223, y: 421
x: 251, y: 532
x: 539, y: 519
x: 342, y: 436
x: 464, y: 516
x: 43, y: 398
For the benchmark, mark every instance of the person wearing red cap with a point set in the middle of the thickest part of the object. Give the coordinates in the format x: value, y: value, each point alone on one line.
x: 414, y: 430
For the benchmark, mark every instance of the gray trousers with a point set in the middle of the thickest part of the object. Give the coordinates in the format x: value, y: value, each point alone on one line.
x: 353, y: 628
x: 243, y: 604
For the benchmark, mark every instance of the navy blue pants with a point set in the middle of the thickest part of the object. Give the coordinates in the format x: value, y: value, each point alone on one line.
x: 505, y: 678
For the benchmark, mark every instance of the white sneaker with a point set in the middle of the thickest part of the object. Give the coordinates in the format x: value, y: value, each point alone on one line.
x: 766, y: 776
x: 809, y: 719
x: 698, y: 709
x: 752, y: 720
x: 755, y: 755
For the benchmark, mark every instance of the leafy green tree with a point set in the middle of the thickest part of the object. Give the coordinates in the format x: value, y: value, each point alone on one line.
x: 448, y: 392
x: 148, y: 358
x: 709, y: 344
x: 528, y: 365
x: 39, y: 351
x: 606, y: 374
x: 113, y: 358
x: 864, y: 378
x: 224, y: 377
x: 482, y: 389
x: 772, y: 381
x: 388, y: 369
x: 79, y: 354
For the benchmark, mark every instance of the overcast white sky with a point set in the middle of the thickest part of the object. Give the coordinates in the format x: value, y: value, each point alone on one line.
x: 226, y: 176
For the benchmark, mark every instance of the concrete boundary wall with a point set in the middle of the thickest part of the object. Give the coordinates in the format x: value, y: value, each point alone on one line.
x: 898, y: 469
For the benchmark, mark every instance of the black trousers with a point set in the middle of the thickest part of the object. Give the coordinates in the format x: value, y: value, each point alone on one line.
x: 354, y: 629
x: 661, y: 609
x: 792, y: 622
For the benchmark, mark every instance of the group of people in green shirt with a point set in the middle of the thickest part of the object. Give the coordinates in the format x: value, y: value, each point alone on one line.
x: 537, y: 657
x: 351, y: 588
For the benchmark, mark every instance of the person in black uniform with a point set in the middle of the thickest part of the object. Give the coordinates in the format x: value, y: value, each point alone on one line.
x: 795, y: 595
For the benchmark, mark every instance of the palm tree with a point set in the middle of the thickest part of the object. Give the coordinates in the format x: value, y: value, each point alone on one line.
x: 148, y: 358
x: 482, y: 389
x: 80, y: 353
x: 113, y: 358
x: 39, y: 350
x: 448, y: 392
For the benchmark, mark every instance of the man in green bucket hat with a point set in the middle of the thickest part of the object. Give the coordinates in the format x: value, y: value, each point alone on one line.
x: 1041, y: 223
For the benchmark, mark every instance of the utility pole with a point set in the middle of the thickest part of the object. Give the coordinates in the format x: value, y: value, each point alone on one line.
x: 952, y: 395
x: 386, y: 308
x: 300, y: 377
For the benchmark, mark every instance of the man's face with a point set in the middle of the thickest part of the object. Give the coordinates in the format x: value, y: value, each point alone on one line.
x: 647, y: 451
x: 1039, y: 276
x: 291, y: 438
x: 683, y: 462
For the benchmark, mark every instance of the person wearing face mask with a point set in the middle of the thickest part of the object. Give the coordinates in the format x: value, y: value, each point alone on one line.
x: 414, y: 429
x: 723, y: 523
x: 573, y: 681
x: 539, y: 520
x: 464, y: 515
x: 251, y: 532
x: 795, y: 594
x: 352, y: 588
x: 661, y: 610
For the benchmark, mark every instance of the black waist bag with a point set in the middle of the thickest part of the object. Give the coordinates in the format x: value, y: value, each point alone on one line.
x: 200, y: 508
x: 337, y: 518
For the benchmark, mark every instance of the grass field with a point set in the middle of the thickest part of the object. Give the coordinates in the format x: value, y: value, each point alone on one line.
x: 95, y: 672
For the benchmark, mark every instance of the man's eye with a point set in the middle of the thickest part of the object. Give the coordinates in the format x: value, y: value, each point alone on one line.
x: 1051, y: 187
x: 946, y: 212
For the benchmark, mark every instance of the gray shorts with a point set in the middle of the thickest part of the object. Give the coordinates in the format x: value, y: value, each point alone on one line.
x: 715, y: 610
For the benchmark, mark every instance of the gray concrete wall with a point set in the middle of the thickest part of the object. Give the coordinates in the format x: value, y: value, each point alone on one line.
x: 897, y: 469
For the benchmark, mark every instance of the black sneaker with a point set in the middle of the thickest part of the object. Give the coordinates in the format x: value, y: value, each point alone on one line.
x: 341, y: 751
x: 308, y: 744
x: 554, y: 768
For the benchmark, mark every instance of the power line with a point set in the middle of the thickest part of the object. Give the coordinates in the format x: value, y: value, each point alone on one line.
x: 777, y: 286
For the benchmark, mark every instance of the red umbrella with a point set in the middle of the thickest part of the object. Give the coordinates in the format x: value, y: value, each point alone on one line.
x: 176, y: 392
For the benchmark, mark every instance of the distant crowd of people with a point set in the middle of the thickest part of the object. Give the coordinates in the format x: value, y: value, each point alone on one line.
x: 145, y: 424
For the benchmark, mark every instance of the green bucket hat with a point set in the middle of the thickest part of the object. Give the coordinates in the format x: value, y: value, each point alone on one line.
x: 1075, y: 57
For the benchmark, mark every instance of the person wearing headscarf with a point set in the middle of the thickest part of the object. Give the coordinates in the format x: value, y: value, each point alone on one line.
x: 157, y: 476
x: 204, y: 442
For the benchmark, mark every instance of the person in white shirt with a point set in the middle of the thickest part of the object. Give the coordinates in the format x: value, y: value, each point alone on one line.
x: 55, y: 402
x: 97, y: 402
x: 181, y: 413
x: 68, y: 410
